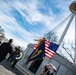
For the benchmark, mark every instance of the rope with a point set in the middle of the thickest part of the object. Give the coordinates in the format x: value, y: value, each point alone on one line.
x: 66, y: 29
x: 59, y: 25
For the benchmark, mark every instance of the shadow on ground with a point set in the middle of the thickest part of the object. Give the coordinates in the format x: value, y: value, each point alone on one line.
x: 7, y: 65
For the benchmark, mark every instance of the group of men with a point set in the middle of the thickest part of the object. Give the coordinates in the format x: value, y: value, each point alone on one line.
x: 14, y: 56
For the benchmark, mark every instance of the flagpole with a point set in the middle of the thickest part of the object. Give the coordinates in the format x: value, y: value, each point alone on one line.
x: 75, y: 40
x: 62, y: 36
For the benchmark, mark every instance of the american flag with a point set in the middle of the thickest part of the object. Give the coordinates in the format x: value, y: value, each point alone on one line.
x: 50, y: 49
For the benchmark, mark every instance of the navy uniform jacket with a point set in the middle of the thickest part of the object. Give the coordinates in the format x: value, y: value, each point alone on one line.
x: 5, y: 48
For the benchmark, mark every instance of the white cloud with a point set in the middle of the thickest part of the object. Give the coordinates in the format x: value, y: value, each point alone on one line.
x: 29, y: 10
x: 33, y: 14
x: 11, y: 27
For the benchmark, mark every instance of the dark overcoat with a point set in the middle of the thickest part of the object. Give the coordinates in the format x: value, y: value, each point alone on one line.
x: 5, y: 48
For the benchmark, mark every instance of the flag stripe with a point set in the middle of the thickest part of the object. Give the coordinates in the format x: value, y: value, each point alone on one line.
x: 35, y: 47
x: 49, y: 52
x: 48, y: 56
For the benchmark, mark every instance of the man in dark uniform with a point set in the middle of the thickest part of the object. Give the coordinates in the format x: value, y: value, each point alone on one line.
x: 5, y: 48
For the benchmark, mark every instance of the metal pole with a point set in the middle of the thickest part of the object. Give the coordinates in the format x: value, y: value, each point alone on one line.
x: 75, y: 40
x: 62, y: 36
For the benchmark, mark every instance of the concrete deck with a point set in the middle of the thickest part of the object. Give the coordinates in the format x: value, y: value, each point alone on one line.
x: 6, y: 69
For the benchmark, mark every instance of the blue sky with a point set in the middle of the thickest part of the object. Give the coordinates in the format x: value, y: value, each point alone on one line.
x: 26, y: 20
